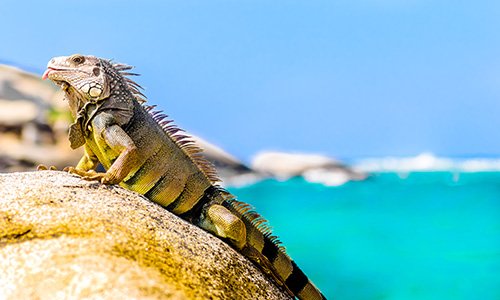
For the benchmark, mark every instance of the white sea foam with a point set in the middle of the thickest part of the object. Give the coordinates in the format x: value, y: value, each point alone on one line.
x: 326, y: 177
x: 427, y: 162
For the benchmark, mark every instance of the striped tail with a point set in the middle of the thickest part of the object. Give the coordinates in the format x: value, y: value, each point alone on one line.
x: 266, y: 251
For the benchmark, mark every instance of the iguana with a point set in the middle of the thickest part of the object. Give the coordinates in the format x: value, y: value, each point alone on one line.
x: 144, y: 152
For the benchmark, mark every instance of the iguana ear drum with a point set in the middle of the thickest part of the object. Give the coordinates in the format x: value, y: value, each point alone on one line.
x: 95, y: 91
x: 96, y: 71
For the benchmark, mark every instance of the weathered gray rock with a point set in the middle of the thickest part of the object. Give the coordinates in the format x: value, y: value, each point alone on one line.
x: 65, y: 238
x: 231, y: 170
x: 313, y: 167
x: 33, y: 122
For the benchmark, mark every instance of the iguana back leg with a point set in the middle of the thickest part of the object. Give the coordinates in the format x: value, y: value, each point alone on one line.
x: 220, y: 221
x: 223, y: 223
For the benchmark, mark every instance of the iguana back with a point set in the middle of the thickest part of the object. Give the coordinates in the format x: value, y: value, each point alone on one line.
x: 144, y: 152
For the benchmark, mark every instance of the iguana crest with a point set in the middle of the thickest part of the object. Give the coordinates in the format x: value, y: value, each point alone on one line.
x: 184, y: 141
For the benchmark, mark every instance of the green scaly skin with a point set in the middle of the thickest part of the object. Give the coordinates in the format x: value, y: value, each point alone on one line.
x: 144, y: 152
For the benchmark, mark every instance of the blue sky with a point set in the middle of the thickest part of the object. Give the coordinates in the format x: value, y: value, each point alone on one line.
x: 344, y: 78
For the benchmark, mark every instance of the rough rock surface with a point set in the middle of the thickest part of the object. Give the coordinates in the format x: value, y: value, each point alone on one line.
x: 65, y: 238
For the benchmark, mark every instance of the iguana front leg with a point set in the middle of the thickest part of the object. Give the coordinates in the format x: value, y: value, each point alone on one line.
x: 86, y: 166
x: 88, y: 161
x: 108, y: 137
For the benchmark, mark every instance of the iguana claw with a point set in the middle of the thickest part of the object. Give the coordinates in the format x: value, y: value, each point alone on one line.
x: 69, y: 169
x: 90, y: 175
x: 45, y: 168
x: 96, y: 176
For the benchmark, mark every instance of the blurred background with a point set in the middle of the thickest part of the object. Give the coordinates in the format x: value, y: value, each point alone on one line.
x: 364, y: 130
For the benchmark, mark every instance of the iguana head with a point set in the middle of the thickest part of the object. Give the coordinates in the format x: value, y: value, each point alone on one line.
x: 86, y: 78
x: 81, y: 75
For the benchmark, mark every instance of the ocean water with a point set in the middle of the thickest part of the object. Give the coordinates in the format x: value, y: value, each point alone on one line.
x: 415, y: 235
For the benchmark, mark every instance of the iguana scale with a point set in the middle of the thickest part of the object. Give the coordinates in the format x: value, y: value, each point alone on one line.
x: 144, y: 152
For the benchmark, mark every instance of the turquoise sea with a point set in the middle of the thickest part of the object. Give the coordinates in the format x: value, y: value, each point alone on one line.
x: 417, y: 235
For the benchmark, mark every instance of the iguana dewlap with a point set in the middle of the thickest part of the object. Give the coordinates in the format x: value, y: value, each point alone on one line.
x: 142, y: 151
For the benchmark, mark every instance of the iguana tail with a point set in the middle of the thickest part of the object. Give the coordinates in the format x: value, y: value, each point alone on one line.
x: 266, y: 251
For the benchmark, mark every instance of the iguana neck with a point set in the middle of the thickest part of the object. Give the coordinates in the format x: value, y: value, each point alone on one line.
x: 75, y: 100
x: 120, y: 103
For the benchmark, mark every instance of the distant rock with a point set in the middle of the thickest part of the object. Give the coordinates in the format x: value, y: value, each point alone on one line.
x: 33, y: 122
x: 314, y: 168
x: 65, y: 238
x: 232, y: 171
x: 16, y: 84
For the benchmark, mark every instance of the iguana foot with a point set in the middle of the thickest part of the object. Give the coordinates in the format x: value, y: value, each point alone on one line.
x: 45, y: 168
x: 91, y: 175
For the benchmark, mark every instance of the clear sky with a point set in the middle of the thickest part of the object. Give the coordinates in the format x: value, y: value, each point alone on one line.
x: 345, y: 78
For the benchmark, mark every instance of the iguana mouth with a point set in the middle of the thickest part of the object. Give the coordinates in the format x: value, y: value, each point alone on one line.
x: 47, y: 72
x: 52, y: 69
x: 63, y: 84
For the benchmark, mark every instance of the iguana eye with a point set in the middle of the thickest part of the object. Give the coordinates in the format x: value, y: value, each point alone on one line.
x: 78, y: 59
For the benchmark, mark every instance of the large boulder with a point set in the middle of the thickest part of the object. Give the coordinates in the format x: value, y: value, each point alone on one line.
x: 313, y: 167
x: 65, y: 238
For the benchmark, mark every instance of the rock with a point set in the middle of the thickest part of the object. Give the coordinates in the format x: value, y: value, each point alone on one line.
x: 313, y: 167
x: 65, y: 238
x: 18, y: 85
x: 16, y: 113
x: 31, y: 113
x: 10, y: 164
x: 232, y: 171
